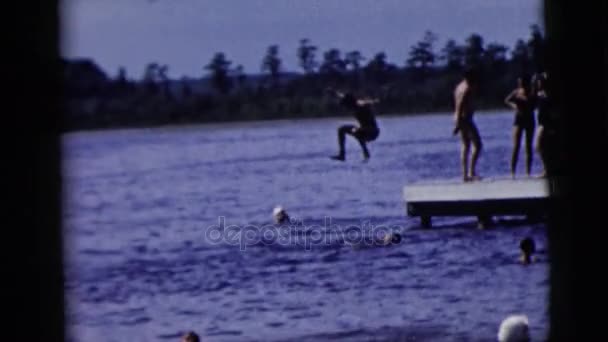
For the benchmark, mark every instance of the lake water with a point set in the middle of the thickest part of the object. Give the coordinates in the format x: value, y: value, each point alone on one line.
x: 144, y: 262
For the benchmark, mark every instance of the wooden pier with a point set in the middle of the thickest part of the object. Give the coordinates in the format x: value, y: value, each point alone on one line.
x: 483, y: 199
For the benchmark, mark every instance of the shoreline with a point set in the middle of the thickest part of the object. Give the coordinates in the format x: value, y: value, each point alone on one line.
x: 259, y: 121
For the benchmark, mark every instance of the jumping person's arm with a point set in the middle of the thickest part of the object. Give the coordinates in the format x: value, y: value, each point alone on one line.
x: 368, y: 101
x: 335, y: 92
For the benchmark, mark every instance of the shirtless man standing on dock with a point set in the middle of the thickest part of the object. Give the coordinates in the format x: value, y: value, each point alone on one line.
x: 464, y: 95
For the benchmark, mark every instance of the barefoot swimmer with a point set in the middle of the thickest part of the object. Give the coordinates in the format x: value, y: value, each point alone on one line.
x: 464, y: 97
x: 366, y: 131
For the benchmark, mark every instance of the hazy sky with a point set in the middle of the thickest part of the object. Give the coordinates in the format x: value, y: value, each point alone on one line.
x: 185, y: 34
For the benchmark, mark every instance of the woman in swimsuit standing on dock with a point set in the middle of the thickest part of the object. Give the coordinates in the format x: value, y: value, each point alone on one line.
x: 522, y: 100
x: 545, y: 126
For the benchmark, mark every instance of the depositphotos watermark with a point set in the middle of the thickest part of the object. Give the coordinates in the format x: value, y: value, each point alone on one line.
x: 297, y: 233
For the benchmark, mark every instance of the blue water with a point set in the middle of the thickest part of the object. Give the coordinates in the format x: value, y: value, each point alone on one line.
x: 142, y: 263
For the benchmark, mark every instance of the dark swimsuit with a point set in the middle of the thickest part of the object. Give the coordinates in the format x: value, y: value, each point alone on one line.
x: 368, y: 130
x: 524, y: 117
x: 543, y: 110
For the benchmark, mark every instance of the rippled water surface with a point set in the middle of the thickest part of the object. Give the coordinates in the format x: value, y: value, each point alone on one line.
x: 143, y: 260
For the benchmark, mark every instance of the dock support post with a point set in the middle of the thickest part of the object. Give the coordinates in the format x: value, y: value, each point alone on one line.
x: 425, y: 221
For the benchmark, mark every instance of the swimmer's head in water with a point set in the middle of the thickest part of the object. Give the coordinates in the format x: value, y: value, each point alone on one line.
x: 348, y: 100
x: 527, y: 246
x: 391, y: 239
x: 514, y: 328
x: 191, y: 336
x: 279, y: 214
x: 396, y: 238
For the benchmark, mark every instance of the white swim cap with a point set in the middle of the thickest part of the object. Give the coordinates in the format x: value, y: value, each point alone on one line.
x: 277, y: 210
x: 514, y: 329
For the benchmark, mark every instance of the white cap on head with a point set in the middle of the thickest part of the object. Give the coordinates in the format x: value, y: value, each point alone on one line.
x: 514, y: 328
x: 277, y: 210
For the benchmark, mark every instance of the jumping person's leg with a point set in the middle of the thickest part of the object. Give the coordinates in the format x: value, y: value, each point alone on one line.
x: 363, y: 147
x: 364, y: 136
x: 342, y: 131
x: 517, y: 131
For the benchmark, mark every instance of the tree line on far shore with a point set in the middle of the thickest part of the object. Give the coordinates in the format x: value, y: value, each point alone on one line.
x: 224, y: 92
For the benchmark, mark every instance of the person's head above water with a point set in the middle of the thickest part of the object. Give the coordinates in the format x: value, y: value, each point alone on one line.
x: 391, y: 239
x: 514, y: 328
x: 280, y: 215
x: 396, y: 238
x: 190, y: 336
x: 527, y: 247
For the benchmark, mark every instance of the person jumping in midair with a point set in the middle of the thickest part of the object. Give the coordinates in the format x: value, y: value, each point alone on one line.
x: 367, y: 130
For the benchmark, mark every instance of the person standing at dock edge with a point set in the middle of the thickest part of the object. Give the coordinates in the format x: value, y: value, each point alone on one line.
x: 366, y: 131
x: 522, y: 100
x: 545, y: 130
x: 464, y: 97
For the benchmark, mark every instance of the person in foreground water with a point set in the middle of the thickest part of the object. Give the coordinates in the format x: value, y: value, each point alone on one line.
x: 365, y: 132
x: 387, y: 240
x: 514, y: 328
x: 527, y: 247
x: 190, y: 336
x: 391, y: 239
x: 464, y: 98
x: 280, y: 215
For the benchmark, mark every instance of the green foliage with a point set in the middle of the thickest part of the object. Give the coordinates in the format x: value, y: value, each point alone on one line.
x: 272, y: 63
x: 422, y: 55
x: 219, y: 67
x: 453, y: 55
x: 306, y: 56
x: 474, y: 51
x: 425, y: 84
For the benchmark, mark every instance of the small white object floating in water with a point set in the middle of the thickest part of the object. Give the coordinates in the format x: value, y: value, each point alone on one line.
x: 514, y: 328
x: 279, y: 214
